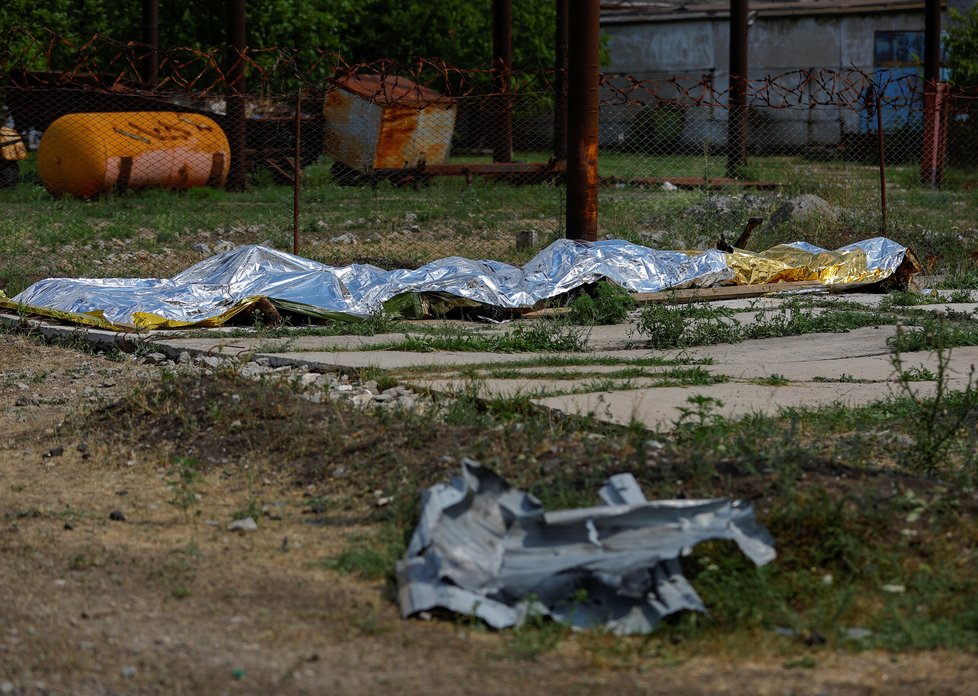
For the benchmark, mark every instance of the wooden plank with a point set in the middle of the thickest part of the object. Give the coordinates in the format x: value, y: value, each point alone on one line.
x: 716, y: 293
x: 725, y: 292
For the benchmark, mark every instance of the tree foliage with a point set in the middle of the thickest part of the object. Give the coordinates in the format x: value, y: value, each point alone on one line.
x: 458, y: 31
x: 962, y: 48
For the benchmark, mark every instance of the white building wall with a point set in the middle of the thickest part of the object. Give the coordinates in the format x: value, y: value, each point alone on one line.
x: 777, y: 45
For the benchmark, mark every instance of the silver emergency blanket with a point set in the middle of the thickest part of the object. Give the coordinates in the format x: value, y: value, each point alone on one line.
x: 212, y: 291
x: 485, y: 549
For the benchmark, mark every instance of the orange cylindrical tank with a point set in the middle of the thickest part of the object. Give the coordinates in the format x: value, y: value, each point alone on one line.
x: 85, y: 155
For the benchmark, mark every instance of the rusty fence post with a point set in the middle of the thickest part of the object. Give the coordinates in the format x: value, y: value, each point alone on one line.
x: 583, y: 103
x: 882, y: 149
x: 934, y: 145
x: 737, y: 117
x: 297, y: 172
x: 502, y: 63
x: 235, y: 109
x: 560, y: 81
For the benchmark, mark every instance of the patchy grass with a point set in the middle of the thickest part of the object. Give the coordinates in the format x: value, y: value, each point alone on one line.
x: 852, y: 517
x: 682, y: 326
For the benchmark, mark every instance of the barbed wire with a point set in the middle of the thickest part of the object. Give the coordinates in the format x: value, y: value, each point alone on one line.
x: 46, y: 59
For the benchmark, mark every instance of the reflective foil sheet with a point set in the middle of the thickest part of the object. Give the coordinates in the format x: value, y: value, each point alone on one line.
x: 214, y: 290
x: 486, y: 549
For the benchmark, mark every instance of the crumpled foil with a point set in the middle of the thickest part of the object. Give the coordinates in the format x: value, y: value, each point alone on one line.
x: 863, y: 262
x: 214, y: 290
x: 485, y: 549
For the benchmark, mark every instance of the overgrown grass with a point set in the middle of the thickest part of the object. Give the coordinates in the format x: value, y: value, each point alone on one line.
x: 523, y: 337
x: 152, y: 233
x: 682, y: 326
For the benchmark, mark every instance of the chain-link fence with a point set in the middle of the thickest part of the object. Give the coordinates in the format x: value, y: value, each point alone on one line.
x: 395, y: 164
x: 813, y: 146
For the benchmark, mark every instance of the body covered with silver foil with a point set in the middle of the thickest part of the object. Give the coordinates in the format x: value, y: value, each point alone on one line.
x: 216, y: 288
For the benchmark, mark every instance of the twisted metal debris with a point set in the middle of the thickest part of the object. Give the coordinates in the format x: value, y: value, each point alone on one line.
x: 489, y: 550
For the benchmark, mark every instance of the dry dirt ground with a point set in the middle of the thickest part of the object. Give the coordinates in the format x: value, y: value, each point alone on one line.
x: 167, y: 601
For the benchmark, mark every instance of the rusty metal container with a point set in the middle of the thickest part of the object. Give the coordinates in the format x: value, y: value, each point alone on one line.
x: 375, y: 122
x: 88, y: 154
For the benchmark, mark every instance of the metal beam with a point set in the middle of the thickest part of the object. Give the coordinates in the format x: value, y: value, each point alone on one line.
x: 584, y: 34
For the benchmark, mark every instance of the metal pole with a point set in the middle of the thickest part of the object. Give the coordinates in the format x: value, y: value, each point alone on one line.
x: 297, y: 172
x: 737, y: 118
x: 560, y: 81
x: 879, y: 128
x: 932, y: 41
x: 932, y: 150
x: 151, y: 37
x: 235, y: 118
x: 502, y: 62
x: 584, y: 33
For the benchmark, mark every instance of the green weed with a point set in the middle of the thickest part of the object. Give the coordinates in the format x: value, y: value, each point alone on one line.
x: 369, y: 555
x: 182, y: 480
x: 609, y: 304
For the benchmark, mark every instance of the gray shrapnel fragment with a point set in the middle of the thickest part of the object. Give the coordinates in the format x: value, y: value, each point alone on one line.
x: 486, y: 549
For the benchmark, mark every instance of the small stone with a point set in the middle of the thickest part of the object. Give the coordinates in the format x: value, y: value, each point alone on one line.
x: 128, y: 671
x: 82, y: 447
x: 69, y: 526
x: 858, y: 633
x: 201, y: 248
x: 184, y: 358
x: 894, y: 588
x: 6, y: 687
x: 669, y: 186
x: 54, y: 452
x: 246, y: 524
x: 117, y: 516
x: 211, y: 361
x: 155, y: 358
x: 223, y: 245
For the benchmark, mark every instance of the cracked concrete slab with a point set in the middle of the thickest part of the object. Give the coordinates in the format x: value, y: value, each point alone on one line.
x: 661, y: 407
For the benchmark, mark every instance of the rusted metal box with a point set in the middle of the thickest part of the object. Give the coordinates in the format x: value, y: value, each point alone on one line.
x: 386, y: 122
